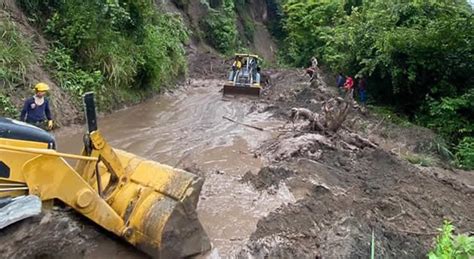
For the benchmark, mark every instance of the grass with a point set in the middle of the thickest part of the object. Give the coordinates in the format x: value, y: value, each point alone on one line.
x: 419, y: 159
x: 390, y: 115
x: 16, y: 53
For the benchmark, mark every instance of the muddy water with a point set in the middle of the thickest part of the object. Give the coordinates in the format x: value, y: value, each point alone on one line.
x: 187, y: 128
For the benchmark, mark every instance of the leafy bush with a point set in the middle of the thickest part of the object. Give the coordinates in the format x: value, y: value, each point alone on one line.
x: 220, y: 28
x: 465, y: 153
x: 7, y: 109
x: 453, y: 117
x: 450, y: 247
x: 416, y: 55
x: 70, y: 77
x: 115, y: 46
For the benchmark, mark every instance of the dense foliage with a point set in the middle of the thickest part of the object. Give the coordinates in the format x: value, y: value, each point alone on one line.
x: 112, y: 46
x: 449, y: 246
x: 220, y: 27
x: 417, y: 55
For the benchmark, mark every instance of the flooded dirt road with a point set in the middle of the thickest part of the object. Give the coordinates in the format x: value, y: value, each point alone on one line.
x: 186, y: 128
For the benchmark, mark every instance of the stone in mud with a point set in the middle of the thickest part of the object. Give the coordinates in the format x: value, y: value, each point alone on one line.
x: 267, y: 177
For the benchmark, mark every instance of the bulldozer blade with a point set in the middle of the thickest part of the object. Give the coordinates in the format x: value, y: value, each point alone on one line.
x: 230, y: 89
x: 159, y: 203
x: 15, y: 209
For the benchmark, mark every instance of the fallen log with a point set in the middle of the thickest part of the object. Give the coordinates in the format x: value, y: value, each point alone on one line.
x: 243, y: 124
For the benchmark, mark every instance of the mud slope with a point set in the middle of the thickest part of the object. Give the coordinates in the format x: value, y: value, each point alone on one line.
x: 347, y: 191
x: 62, y: 233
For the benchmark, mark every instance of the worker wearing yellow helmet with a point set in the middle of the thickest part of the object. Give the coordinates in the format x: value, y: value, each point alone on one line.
x: 36, y: 108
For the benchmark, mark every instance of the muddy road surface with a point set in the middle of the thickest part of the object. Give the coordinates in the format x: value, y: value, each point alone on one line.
x: 285, y: 192
x: 186, y: 129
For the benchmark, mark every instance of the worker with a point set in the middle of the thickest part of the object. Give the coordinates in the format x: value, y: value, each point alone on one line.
x: 362, y: 88
x: 314, y: 62
x: 312, y: 71
x: 349, y: 85
x: 257, y: 75
x: 236, y: 66
x: 36, y: 108
x: 340, y: 80
x: 253, y: 67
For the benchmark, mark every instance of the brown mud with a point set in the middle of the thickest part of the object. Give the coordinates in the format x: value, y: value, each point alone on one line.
x: 281, y: 192
x: 346, y: 191
x: 61, y: 233
x: 278, y: 193
x: 185, y: 128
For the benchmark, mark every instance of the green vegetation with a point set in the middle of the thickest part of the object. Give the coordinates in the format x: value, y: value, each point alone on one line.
x: 71, y: 77
x: 111, y: 47
x: 417, y: 56
x: 220, y: 28
x: 7, y: 108
x: 452, y: 247
x: 16, y: 54
x: 419, y: 159
x: 465, y: 153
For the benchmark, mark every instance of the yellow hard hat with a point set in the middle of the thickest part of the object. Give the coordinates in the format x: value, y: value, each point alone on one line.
x: 41, y: 87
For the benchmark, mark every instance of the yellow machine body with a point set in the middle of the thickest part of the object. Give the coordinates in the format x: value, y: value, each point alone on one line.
x: 150, y: 205
x: 243, y: 81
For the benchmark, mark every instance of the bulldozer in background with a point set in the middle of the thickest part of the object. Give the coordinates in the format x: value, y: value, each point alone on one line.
x: 150, y: 205
x: 247, y: 79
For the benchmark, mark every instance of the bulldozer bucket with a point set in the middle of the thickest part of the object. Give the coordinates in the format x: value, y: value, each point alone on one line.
x: 241, y: 90
x: 150, y: 205
x: 159, y: 205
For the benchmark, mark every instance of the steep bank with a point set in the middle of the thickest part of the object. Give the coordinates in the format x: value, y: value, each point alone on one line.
x: 124, y: 52
x: 26, y: 72
x: 243, y: 24
x: 353, y: 182
x: 60, y: 55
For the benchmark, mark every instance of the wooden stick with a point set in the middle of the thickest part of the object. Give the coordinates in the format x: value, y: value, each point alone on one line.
x: 243, y: 124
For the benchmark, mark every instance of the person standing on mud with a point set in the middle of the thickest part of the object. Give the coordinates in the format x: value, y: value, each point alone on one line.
x: 312, y: 71
x: 340, y: 80
x: 362, y: 88
x: 349, y: 86
x: 36, y: 108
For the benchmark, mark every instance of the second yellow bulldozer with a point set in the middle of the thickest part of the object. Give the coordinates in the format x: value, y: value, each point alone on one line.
x: 150, y: 205
x: 244, y: 78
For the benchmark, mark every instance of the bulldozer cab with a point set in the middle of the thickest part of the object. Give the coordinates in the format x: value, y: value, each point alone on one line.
x: 150, y: 205
x: 246, y: 79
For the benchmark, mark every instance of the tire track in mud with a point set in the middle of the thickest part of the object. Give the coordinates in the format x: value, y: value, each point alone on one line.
x: 186, y: 128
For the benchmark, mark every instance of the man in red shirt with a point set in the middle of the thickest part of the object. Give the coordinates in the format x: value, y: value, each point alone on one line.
x: 349, y: 85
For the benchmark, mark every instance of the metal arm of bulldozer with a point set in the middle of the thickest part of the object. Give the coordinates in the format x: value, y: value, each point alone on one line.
x: 96, y: 146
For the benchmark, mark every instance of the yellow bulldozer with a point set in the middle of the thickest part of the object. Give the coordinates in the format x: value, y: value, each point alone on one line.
x: 150, y: 205
x: 244, y: 78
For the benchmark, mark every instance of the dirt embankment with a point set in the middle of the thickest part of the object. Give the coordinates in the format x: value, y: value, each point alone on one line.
x: 62, y: 233
x: 255, y: 36
x: 64, y: 110
x: 203, y: 60
x: 346, y: 189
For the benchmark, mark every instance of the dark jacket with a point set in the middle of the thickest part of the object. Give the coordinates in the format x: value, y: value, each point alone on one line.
x: 340, y: 81
x: 33, y: 113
